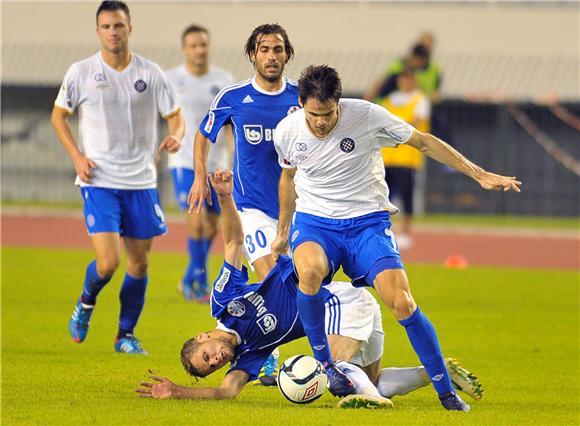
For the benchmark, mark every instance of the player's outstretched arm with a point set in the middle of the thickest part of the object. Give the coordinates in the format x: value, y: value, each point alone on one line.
x: 232, y: 233
x: 83, y: 165
x: 163, y: 388
x: 440, y: 151
x: 176, y: 130
x: 200, y: 189
x: 287, y: 206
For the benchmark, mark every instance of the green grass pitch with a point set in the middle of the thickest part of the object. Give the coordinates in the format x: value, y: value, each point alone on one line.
x: 516, y: 329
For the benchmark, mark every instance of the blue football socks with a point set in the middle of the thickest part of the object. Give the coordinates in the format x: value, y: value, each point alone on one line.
x: 195, y: 248
x: 132, y: 298
x: 311, y: 311
x: 201, y: 273
x: 93, y: 284
x: 426, y: 345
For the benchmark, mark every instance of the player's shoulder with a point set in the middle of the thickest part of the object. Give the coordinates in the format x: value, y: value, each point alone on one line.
x: 290, y: 125
x: 232, y: 92
x: 84, y: 66
x: 220, y: 73
x: 145, y: 63
x: 291, y: 85
x: 355, y: 104
x: 175, y: 71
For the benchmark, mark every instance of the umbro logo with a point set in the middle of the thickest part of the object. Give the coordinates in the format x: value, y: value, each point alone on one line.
x: 247, y: 100
x: 319, y: 347
x: 437, y: 377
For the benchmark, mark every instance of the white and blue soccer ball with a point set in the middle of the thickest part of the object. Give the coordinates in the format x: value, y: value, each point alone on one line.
x: 302, y: 379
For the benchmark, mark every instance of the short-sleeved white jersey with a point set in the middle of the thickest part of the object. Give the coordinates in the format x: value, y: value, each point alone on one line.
x: 118, y: 117
x: 194, y: 95
x: 342, y: 175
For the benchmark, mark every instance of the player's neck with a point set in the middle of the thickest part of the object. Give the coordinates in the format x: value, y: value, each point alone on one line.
x: 269, y: 86
x: 231, y: 338
x: 117, y: 61
x: 197, y: 70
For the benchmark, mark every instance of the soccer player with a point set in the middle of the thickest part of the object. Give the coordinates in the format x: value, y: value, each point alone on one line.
x: 254, y: 108
x: 333, y: 186
x: 196, y: 83
x: 119, y: 95
x: 254, y: 318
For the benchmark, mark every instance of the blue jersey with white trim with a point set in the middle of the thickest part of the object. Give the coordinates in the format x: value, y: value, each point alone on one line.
x: 263, y: 315
x: 253, y: 114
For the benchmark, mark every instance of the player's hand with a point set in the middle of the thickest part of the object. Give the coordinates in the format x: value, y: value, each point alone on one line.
x: 280, y: 245
x: 491, y: 181
x: 83, y: 167
x: 159, y: 388
x: 198, y: 193
x: 170, y: 144
x: 222, y: 181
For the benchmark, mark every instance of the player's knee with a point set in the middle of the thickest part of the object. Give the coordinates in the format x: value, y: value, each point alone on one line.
x: 310, y: 278
x: 403, y: 305
x: 138, y: 269
x: 107, y: 267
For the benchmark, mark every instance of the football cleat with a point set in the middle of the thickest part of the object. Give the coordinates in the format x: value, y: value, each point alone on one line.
x: 365, y: 401
x: 269, y: 372
x: 78, y: 325
x: 186, y: 290
x: 338, y: 383
x: 129, y: 345
x: 451, y: 401
x: 463, y: 380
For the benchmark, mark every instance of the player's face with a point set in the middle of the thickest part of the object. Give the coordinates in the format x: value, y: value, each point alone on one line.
x: 213, y: 354
x: 321, y: 118
x: 113, y: 29
x: 270, y: 57
x: 196, y: 48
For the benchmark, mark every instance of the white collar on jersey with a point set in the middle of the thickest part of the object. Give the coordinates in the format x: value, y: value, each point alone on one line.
x: 222, y: 327
x: 277, y: 92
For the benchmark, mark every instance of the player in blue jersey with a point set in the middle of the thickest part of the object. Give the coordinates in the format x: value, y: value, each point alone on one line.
x: 335, y: 210
x: 253, y: 108
x: 254, y: 318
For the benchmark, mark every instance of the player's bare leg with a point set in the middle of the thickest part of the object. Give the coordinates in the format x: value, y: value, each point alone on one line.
x: 263, y: 266
x: 132, y: 294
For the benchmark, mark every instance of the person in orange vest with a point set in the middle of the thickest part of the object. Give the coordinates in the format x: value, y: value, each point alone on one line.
x: 402, y: 163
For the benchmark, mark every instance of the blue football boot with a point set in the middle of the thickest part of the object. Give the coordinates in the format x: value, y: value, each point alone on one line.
x: 78, y: 325
x: 130, y: 345
x: 338, y: 383
x: 452, y: 402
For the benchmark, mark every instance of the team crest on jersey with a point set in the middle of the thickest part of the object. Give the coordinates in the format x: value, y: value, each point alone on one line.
x: 236, y: 308
x: 140, y: 86
x: 347, y: 145
x: 292, y: 109
x: 254, y: 133
x: 267, y: 323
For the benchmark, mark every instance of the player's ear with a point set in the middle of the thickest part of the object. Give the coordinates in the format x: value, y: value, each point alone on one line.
x: 300, y: 103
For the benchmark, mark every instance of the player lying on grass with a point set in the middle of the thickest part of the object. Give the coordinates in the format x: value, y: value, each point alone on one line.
x: 252, y: 319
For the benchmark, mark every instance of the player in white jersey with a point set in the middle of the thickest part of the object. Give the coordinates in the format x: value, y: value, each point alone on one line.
x: 333, y: 184
x: 196, y: 83
x: 120, y: 96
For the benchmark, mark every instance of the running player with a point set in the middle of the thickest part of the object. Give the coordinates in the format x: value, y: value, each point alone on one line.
x: 253, y: 107
x: 119, y: 96
x: 196, y: 83
x: 254, y: 318
x: 334, y: 178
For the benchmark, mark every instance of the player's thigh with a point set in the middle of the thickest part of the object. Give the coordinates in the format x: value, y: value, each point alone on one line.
x: 342, y: 347
x: 259, y: 233
x: 182, y: 182
x: 263, y: 266
x: 141, y: 214
x: 137, y: 255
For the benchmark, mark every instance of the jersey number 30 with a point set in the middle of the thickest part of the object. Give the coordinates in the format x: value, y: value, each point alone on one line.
x: 260, y: 241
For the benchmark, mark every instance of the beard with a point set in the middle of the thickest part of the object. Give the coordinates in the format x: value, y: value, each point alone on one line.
x: 270, y: 78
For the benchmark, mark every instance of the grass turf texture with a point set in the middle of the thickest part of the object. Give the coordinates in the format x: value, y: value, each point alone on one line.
x: 517, y: 330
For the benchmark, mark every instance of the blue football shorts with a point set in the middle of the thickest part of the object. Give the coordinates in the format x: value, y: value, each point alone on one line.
x: 132, y: 213
x: 364, y: 246
x: 182, y: 182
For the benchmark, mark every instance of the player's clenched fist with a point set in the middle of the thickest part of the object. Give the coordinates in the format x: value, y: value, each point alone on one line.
x: 222, y: 181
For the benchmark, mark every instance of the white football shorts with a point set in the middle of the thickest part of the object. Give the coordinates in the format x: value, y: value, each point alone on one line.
x: 259, y: 233
x: 353, y: 312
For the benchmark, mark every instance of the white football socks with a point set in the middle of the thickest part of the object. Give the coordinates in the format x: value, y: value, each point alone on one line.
x: 400, y: 381
x: 362, y: 383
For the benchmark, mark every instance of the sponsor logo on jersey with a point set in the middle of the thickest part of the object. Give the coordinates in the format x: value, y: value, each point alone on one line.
x: 248, y: 100
x: 223, y: 279
x: 255, y: 133
x: 347, y: 145
x: 267, y: 323
x: 100, y: 76
x: 292, y: 109
x: 236, y: 308
x: 140, y: 86
x: 102, y: 86
x: 301, y: 146
x: 209, y: 124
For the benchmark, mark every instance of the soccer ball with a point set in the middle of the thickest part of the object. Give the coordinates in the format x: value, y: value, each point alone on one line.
x: 302, y: 379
